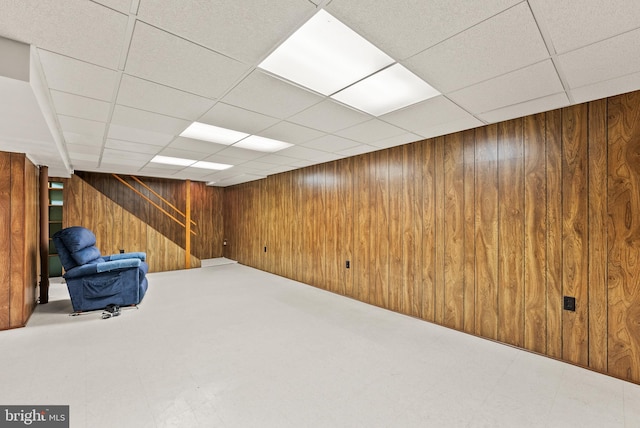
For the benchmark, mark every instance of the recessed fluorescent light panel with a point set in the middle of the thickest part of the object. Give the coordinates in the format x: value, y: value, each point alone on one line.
x: 172, y: 161
x: 213, y: 134
x: 211, y: 165
x: 262, y: 144
x: 325, y: 55
x: 388, y: 90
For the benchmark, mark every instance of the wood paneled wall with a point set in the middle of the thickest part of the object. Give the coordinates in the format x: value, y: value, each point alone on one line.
x: 206, y: 208
x: 483, y: 231
x: 116, y: 228
x: 19, y: 228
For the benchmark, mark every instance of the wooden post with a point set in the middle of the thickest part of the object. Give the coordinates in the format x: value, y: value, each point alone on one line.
x: 187, y: 228
x: 44, y: 234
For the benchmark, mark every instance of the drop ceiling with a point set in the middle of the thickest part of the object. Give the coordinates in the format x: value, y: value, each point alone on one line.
x: 114, y: 82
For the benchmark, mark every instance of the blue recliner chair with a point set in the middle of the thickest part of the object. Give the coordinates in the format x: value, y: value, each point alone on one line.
x: 95, y: 281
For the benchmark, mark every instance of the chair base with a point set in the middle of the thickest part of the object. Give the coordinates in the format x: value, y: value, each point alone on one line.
x: 109, y: 311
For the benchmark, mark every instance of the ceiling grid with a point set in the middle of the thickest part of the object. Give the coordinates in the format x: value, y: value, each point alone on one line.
x: 124, y: 78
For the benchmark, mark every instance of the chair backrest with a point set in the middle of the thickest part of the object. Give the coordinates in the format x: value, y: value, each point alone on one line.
x: 76, y: 246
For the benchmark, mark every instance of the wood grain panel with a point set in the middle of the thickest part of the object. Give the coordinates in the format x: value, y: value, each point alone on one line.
x: 321, y: 226
x: 298, y: 224
x: 554, y: 233
x: 439, y: 236
x: 574, y: 232
x: 597, y: 235
x: 5, y: 231
x: 17, y: 262
x: 469, y: 142
x: 136, y: 236
x: 428, y: 230
x: 346, y: 216
x: 535, y: 226
x: 411, y: 229
x: 19, y: 226
x: 487, y: 232
x: 396, y: 284
x: 453, y: 231
x: 32, y: 267
x: 362, y: 228
x: 511, y: 233
x: 624, y: 236
x: 290, y: 226
x: 380, y: 211
x: 332, y: 218
x: 73, y: 194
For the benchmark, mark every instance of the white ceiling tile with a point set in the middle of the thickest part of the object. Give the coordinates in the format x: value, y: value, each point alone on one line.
x: 482, y: 52
x: 426, y: 114
x: 396, y: 141
x: 368, y: 132
x: 140, y: 119
x: 218, y: 176
x: 449, y: 127
x: 164, y: 58
x: 80, y: 139
x: 242, y: 178
x: 237, y: 153
x: 329, y: 116
x: 83, y: 149
x: 86, y: 127
x: 516, y: 87
x: 605, y: 60
x: 264, y: 94
x: 196, y: 145
x: 234, y: 172
x: 75, y: 28
x: 124, y: 157
x: 290, y: 133
x: 278, y: 169
x: 299, y: 152
x: 277, y: 159
x: 550, y: 102
x: 192, y: 174
x: 181, y: 153
x: 129, y: 146
x: 410, y: 26
x: 160, y: 168
x: 116, y: 168
x: 358, y: 150
x: 82, y: 107
x: 258, y: 166
x: 574, y: 24
x: 237, y: 119
x: 607, y: 88
x: 301, y: 163
x: 123, y: 6
x: 150, y: 96
x: 331, y: 143
x: 85, y: 162
x: 239, y: 30
x: 77, y: 77
x: 125, y: 133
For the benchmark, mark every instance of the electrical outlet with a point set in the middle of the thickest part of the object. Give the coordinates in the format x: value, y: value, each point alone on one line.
x: 569, y: 303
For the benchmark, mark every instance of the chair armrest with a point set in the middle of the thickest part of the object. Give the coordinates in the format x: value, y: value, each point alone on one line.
x: 138, y: 255
x: 92, y: 269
